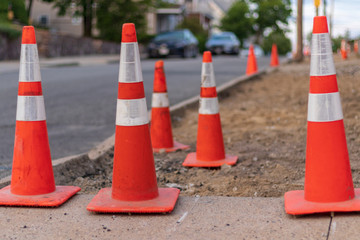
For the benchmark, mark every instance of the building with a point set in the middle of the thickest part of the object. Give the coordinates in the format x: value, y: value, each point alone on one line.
x: 209, y: 13
x: 43, y: 14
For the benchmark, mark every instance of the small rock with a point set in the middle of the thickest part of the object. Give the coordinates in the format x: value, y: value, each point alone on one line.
x: 225, y: 167
x: 175, y: 185
x: 255, y: 159
x: 272, y: 155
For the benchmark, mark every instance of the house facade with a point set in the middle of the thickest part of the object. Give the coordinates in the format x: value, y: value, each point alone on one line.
x: 209, y: 13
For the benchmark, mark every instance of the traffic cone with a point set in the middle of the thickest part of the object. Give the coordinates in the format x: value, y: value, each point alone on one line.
x: 343, y: 49
x: 328, y: 181
x: 210, y: 150
x: 251, y: 63
x: 356, y: 46
x: 160, y: 128
x: 274, y: 56
x: 134, y: 187
x: 32, y: 180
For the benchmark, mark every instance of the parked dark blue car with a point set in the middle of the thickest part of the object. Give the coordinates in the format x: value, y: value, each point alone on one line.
x: 180, y: 42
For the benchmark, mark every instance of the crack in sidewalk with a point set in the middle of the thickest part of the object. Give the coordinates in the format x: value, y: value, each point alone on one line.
x: 330, y: 223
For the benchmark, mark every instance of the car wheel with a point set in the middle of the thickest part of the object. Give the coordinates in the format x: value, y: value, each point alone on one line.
x: 186, y: 53
x: 236, y: 51
x: 195, y: 52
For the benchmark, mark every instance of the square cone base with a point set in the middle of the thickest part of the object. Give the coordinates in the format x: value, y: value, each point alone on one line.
x: 177, y: 146
x: 295, y: 204
x: 104, y: 203
x: 54, y: 199
x: 191, y: 161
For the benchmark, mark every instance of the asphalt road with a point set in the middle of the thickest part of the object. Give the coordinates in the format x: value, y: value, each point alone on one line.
x: 80, y: 102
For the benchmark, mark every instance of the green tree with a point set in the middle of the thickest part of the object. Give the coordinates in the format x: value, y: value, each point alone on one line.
x: 17, y: 7
x: 4, y: 5
x: 279, y: 38
x: 83, y: 8
x: 111, y: 14
x: 273, y: 14
x: 195, y: 27
x: 238, y: 20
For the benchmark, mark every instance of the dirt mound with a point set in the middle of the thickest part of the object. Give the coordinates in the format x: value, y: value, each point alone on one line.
x: 264, y: 123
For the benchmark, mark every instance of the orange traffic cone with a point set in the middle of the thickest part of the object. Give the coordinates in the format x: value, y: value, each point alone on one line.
x: 328, y: 181
x: 251, y: 63
x: 343, y: 49
x: 274, y: 56
x: 134, y: 187
x: 356, y: 46
x: 210, y: 150
x: 160, y: 129
x: 32, y: 180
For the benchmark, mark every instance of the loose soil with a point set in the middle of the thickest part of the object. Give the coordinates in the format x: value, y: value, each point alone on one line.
x: 264, y: 123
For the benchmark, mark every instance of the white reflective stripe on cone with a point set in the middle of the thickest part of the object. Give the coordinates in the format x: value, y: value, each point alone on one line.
x: 29, y: 64
x: 207, y: 75
x: 30, y: 108
x: 130, y: 69
x: 132, y: 112
x: 325, y: 107
x: 209, y: 106
x: 322, y: 63
x: 160, y: 100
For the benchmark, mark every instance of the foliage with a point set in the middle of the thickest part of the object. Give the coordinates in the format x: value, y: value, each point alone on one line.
x: 195, y: 27
x: 9, y: 30
x: 18, y: 8
x: 282, y: 42
x: 112, y: 14
x: 246, y: 17
x: 238, y: 20
x: 270, y: 14
x: 3, y: 11
x: 20, y: 14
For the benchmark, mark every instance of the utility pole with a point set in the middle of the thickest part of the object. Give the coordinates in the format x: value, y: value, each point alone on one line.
x: 317, y: 4
x: 324, y: 7
x: 299, y: 44
x: 331, y: 17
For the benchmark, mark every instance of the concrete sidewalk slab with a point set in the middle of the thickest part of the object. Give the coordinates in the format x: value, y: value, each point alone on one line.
x: 345, y: 226
x: 193, y: 218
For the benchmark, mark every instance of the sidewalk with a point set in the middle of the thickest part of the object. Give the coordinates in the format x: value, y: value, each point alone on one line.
x: 88, y: 60
x: 192, y: 218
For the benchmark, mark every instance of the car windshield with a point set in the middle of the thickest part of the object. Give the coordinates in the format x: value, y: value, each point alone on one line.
x: 170, y: 36
x: 221, y: 37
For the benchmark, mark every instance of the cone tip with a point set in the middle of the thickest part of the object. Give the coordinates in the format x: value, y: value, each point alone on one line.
x: 28, y: 35
x: 159, y: 64
x: 128, y: 33
x: 320, y: 25
x: 207, y: 56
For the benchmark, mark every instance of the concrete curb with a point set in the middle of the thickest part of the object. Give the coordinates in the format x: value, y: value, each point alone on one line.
x: 89, y: 162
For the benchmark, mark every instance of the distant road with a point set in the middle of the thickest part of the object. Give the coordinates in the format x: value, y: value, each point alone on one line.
x: 80, y: 102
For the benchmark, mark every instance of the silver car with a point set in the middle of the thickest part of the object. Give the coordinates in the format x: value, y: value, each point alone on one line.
x: 225, y: 42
